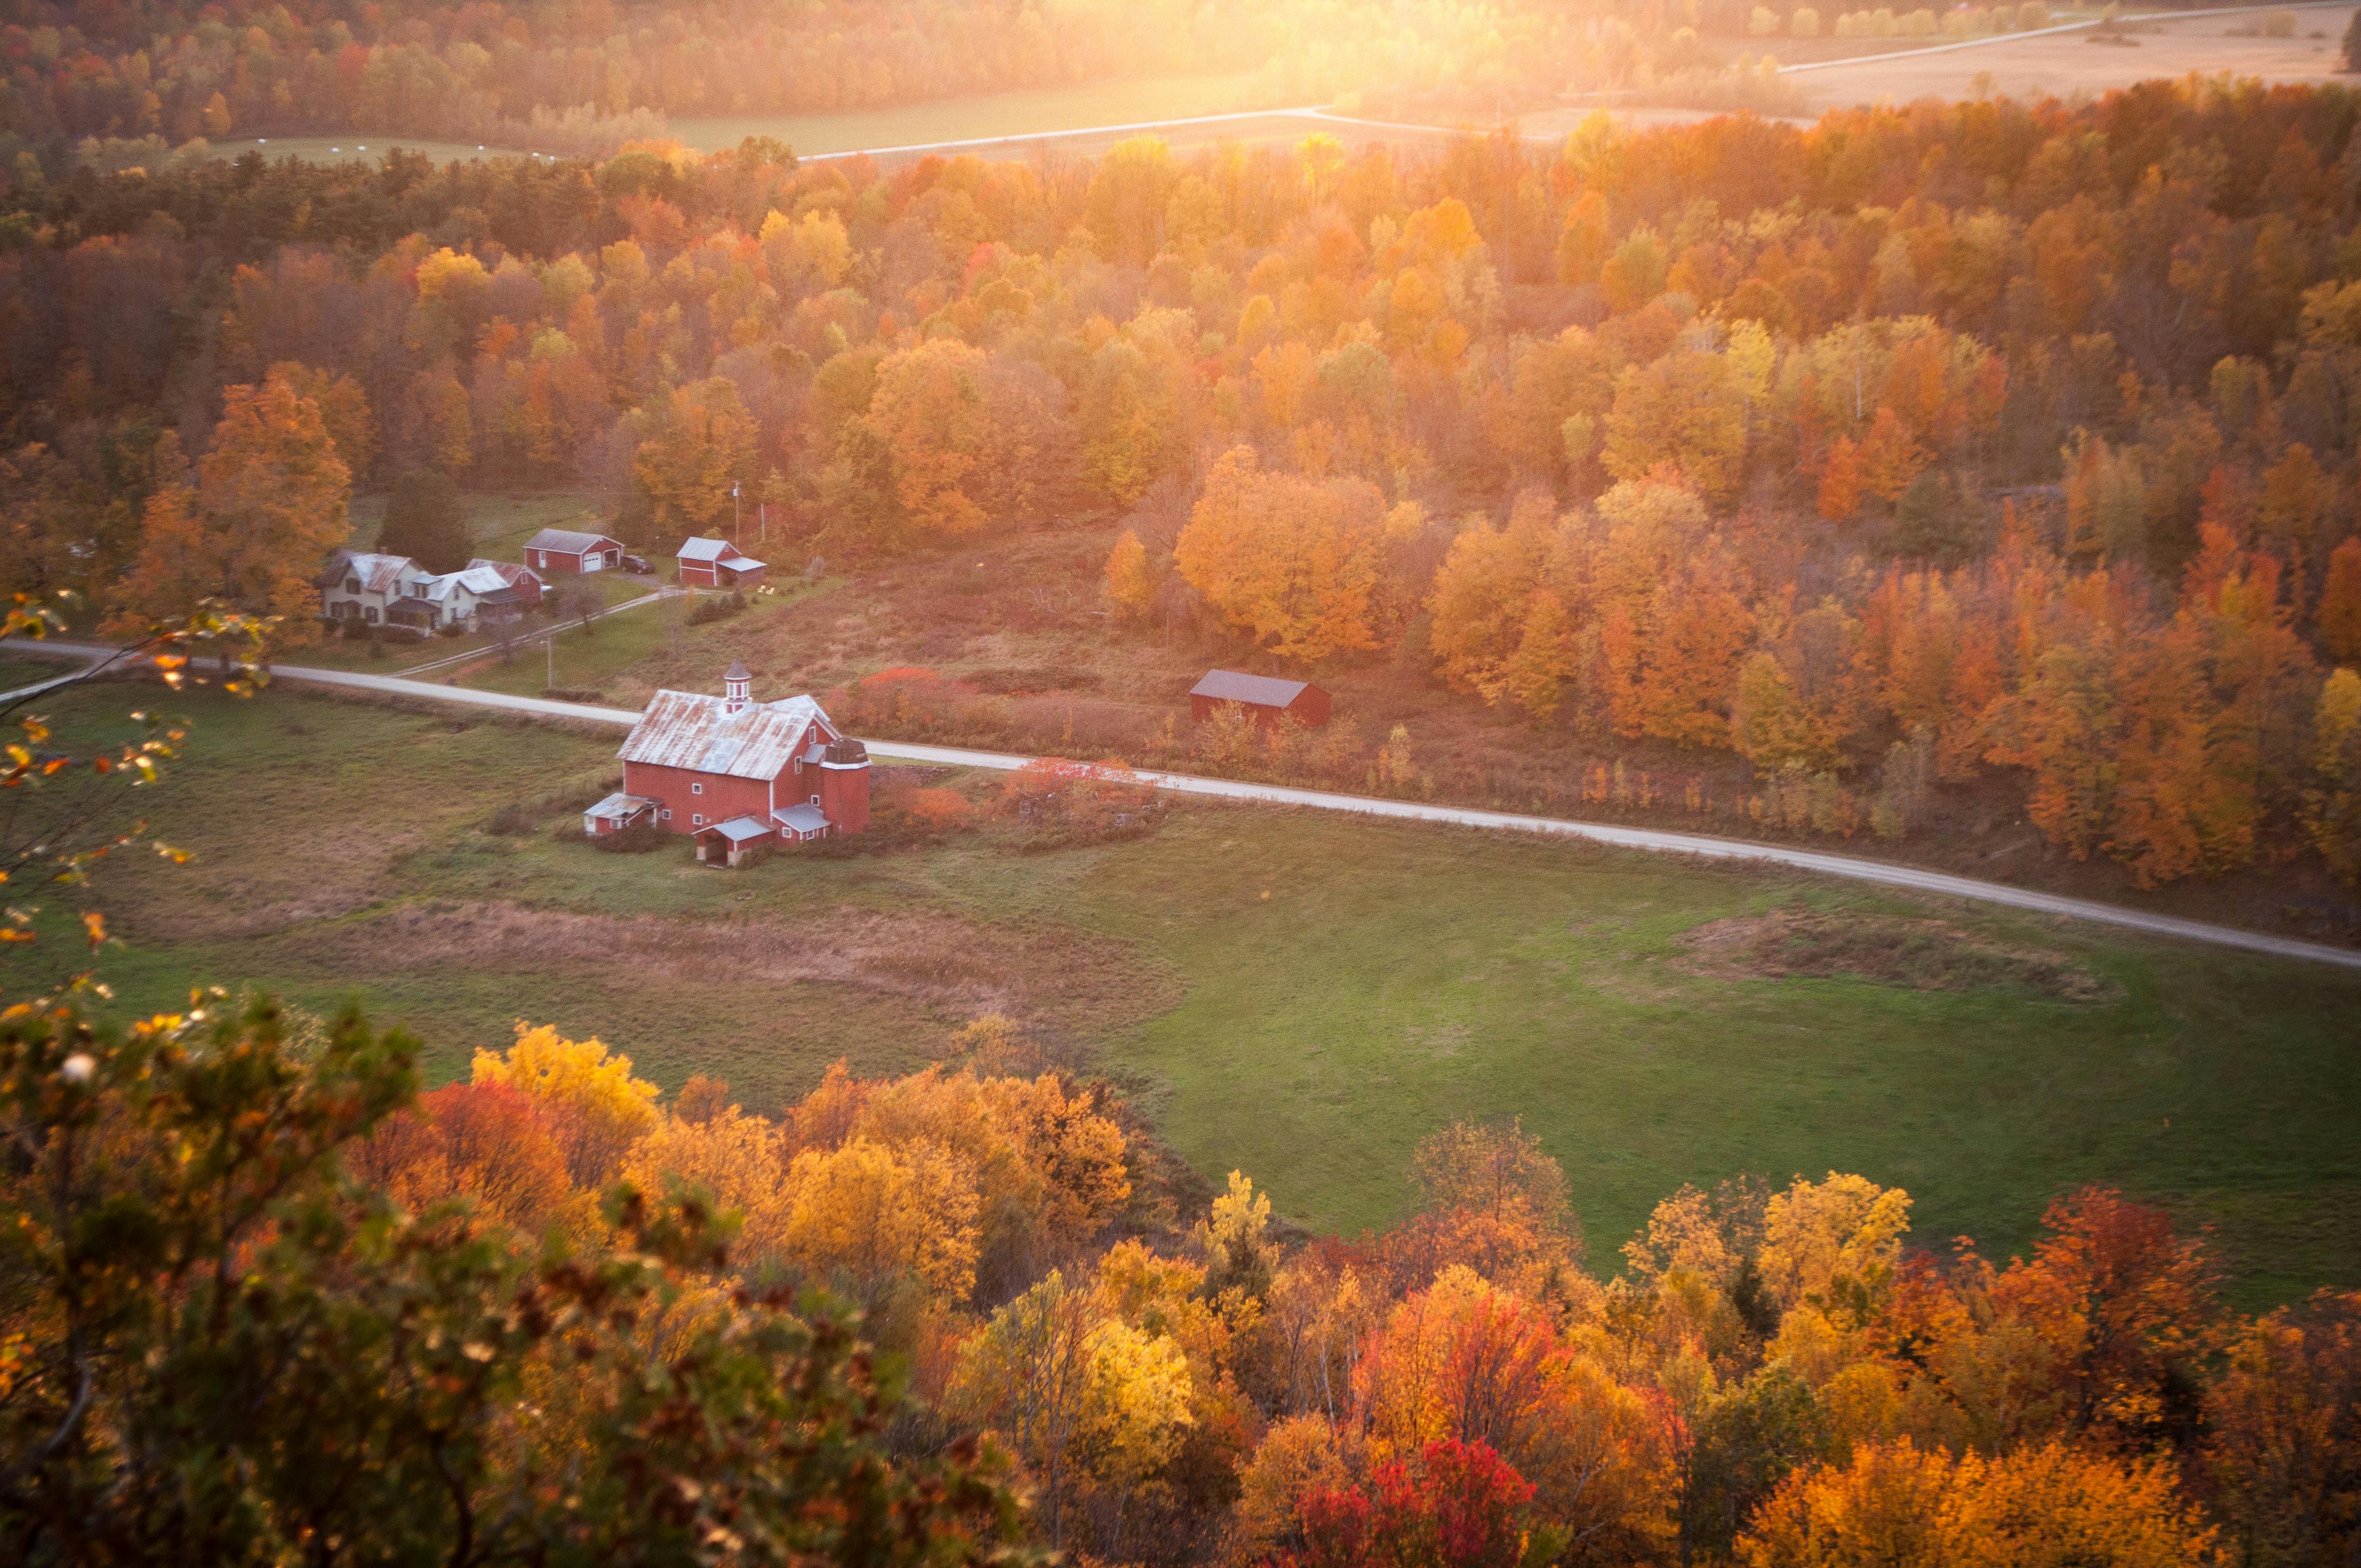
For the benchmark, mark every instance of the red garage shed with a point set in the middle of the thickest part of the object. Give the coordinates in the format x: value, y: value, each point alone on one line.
x: 570, y: 550
x: 1265, y: 696
x: 717, y: 563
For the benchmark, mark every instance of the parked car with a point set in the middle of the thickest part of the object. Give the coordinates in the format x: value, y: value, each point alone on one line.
x: 637, y: 563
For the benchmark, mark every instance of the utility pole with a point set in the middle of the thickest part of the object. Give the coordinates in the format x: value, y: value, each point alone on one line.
x: 736, y: 538
x: 549, y: 646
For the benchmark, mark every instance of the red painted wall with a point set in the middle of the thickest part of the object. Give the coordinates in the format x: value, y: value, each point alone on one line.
x: 723, y: 798
x: 1310, y: 707
x: 844, y: 795
x: 571, y: 560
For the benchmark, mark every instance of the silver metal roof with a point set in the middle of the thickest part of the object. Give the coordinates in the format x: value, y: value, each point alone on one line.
x: 477, y: 580
x: 570, y: 541
x: 1234, y: 686
x: 693, y: 730
x: 720, y: 550
x: 738, y: 829
x: 510, y: 572
x: 804, y: 817
x: 621, y: 805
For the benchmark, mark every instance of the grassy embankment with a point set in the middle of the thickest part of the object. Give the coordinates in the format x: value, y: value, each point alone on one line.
x: 1299, y: 995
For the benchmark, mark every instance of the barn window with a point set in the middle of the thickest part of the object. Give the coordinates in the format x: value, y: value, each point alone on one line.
x: 667, y: 815
x: 697, y: 821
x: 696, y: 789
x: 814, y: 800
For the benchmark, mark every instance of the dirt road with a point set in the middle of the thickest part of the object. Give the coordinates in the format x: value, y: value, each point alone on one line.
x: 1849, y: 867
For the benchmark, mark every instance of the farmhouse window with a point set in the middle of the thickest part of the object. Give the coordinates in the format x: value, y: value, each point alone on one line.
x: 369, y: 615
x: 352, y: 585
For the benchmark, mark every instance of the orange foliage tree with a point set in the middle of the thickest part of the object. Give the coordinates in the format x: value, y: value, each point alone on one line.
x: 252, y: 532
x: 1288, y: 562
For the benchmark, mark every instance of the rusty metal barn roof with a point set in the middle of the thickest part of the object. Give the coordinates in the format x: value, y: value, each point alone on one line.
x: 693, y: 730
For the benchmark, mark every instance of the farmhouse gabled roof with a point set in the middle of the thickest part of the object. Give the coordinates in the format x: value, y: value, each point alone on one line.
x: 709, y: 550
x: 698, y: 732
x: 569, y: 542
x: 481, y: 581
x: 378, y: 574
x: 1234, y: 686
x: 510, y: 572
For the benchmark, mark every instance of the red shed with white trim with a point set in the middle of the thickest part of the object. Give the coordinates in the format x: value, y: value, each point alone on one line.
x: 717, y: 563
x: 567, y: 550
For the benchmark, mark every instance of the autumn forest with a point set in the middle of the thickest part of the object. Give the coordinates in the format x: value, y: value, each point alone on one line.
x: 1846, y: 482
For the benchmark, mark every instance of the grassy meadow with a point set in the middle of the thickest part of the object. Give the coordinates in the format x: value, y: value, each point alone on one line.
x: 1300, y: 995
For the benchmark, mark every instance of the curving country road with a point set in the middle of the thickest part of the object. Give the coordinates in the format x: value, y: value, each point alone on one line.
x: 1851, y: 867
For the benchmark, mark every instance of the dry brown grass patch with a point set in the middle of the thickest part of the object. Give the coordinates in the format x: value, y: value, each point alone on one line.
x: 1030, y: 971
x: 1915, y: 954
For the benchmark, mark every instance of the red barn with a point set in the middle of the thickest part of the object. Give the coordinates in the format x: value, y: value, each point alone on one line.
x: 736, y: 774
x: 1265, y: 697
x: 717, y: 563
x: 566, y: 550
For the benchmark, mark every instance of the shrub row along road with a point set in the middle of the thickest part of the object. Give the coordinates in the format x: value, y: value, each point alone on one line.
x: 1849, y: 867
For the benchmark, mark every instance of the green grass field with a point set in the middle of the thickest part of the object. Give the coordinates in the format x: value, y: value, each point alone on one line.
x: 500, y: 521
x: 1300, y: 995
x: 14, y: 673
x: 993, y: 114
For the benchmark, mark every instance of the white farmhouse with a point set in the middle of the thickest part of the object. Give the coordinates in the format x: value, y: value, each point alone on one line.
x: 394, y: 591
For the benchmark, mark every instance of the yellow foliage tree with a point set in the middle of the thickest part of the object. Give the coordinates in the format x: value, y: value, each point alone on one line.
x: 593, y: 1106
x: 929, y: 417
x: 1686, y: 411
x: 703, y: 443
x: 1131, y: 582
x: 735, y: 1157
x: 872, y: 1215
x: 1818, y: 1233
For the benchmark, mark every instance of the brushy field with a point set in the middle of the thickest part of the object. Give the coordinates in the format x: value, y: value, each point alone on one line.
x: 1038, y: 112
x: 1300, y: 995
x: 361, y: 147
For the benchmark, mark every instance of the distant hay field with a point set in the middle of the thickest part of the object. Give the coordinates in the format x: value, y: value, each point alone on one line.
x: 2063, y: 64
